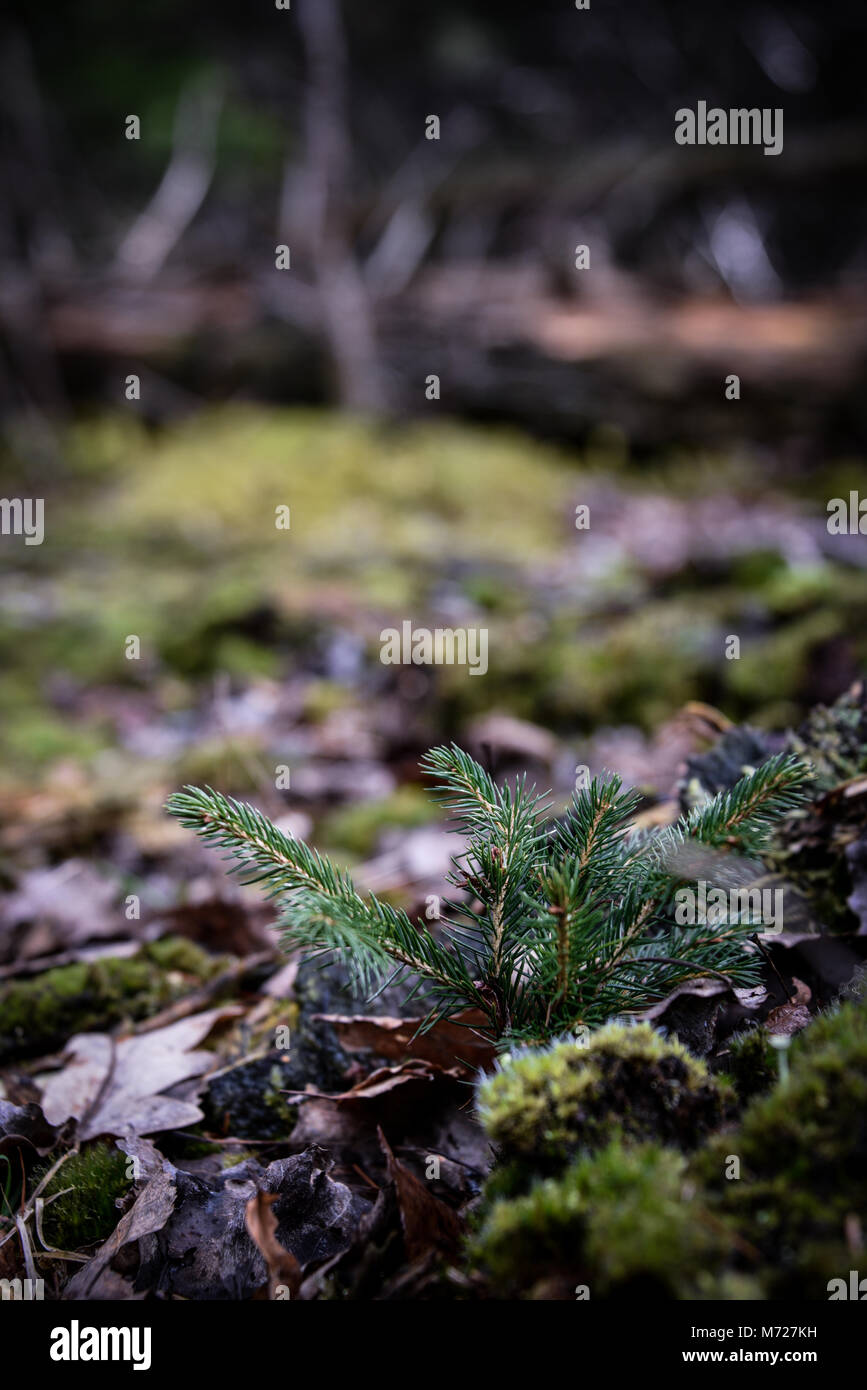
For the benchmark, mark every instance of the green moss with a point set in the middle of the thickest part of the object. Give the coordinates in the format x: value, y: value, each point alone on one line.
x: 235, y: 764
x: 758, y: 568
x: 238, y: 656
x: 623, y: 1222
x: 750, y: 1063
x: 494, y: 593
x: 284, y: 1114
x: 165, y: 536
x: 615, y: 673
x: 231, y: 1160
x: 358, y: 828
x: 429, y: 485
x: 88, y: 1214
x: 179, y: 953
x: 775, y: 669
x: 323, y: 698
x: 802, y: 1151
x: 635, y: 1219
x: 544, y: 1105
x: 191, y: 1144
x: 36, y: 736
x: 794, y: 590
x: 38, y: 1015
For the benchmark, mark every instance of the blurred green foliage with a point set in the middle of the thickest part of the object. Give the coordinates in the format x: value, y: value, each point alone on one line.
x: 171, y: 536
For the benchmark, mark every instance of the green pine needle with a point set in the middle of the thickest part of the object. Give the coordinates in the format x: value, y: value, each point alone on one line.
x: 554, y: 926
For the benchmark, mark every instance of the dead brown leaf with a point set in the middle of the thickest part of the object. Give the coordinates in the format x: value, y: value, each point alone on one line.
x: 403, y: 1095
x: 283, y: 1268
x: 428, y: 1224
x: 789, y: 1018
x: 152, y: 1209
x: 57, y: 908
x: 449, y: 1043
x: 414, y: 1076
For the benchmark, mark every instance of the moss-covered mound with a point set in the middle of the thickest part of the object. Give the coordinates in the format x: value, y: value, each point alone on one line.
x: 622, y: 1222
x: 768, y: 1208
x: 545, y: 1105
x: 750, y: 1064
x: 38, y: 1015
x: 802, y: 1159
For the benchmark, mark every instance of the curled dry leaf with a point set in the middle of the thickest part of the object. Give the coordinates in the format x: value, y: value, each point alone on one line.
x: 704, y: 1011
x: 153, y: 1207
x: 789, y: 1018
x: 428, y: 1224
x: 449, y: 1043
x: 394, y: 1088
x: 284, y: 1271
x: 415, y: 1097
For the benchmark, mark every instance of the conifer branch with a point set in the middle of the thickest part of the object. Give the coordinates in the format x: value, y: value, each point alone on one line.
x: 555, y: 930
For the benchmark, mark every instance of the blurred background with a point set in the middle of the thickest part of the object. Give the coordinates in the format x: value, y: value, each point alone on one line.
x: 449, y: 503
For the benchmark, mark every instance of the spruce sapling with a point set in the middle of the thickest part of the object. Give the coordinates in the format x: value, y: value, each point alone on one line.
x: 560, y: 925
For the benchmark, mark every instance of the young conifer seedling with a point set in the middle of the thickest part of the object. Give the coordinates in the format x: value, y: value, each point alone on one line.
x: 561, y: 924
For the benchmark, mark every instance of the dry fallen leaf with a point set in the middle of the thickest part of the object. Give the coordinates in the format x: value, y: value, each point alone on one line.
x: 389, y: 1089
x: 511, y: 737
x: 153, y: 1207
x: 56, y: 908
x: 25, y: 1124
x: 427, y: 1222
x: 789, y: 1018
x: 414, y: 1076
x: 449, y: 1043
x: 415, y: 1093
x: 116, y: 1087
x: 283, y: 1268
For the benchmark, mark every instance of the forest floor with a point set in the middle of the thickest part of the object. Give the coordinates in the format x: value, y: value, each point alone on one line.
x: 143, y: 995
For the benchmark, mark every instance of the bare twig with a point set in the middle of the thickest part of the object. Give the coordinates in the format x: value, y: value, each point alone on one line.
x: 183, y: 188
